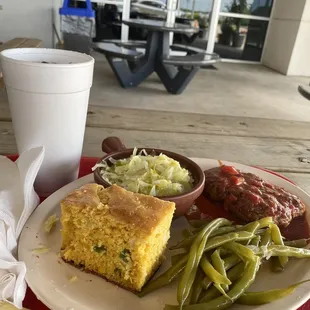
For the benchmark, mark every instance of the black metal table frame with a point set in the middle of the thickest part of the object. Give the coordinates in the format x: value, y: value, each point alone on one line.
x: 131, y: 74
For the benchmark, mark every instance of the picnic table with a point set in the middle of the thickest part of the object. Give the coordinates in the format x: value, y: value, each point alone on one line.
x: 304, y: 90
x: 279, y: 145
x: 132, y: 67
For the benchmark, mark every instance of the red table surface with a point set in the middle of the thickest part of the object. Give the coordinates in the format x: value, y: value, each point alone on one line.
x: 31, y: 302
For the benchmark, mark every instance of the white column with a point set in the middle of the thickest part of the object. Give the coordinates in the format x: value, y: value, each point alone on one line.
x: 125, y: 15
x: 287, y: 44
x: 179, y: 7
x: 193, y: 8
x: 213, y: 25
x: 172, y: 6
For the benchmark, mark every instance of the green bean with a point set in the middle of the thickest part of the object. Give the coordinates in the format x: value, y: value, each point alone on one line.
x: 197, y: 286
x: 224, y: 253
x: 251, y: 227
x: 275, y: 264
x: 223, y: 230
x: 198, y: 223
x: 277, y: 239
x: 212, y: 273
x: 244, y: 235
x: 175, y: 258
x: 165, y: 278
x: 255, y: 241
x: 260, y: 298
x: 168, y: 276
x: 266, y: 237
x: 184, y: 243
x: 242, y: 251
x: 219, y: 266
x: 299, y: 243
x: 206, y: 283
x: 195, y: 254
x: 281, y: 250
x: 260, y: 231
x: 231, y: 261
x: 236, y: 272
x: 189, y: 240
x: 233, y: 274
x: 264, y: 222
x: 237, y: 290
x: 218, y: 241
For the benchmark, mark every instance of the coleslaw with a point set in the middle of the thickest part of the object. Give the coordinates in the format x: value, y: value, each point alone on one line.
x: 157, y: 175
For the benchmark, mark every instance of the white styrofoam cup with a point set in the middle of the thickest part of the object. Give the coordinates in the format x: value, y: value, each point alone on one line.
x: 48, y: 93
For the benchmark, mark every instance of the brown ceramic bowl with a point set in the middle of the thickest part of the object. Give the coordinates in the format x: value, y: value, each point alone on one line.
x: 116, y: 149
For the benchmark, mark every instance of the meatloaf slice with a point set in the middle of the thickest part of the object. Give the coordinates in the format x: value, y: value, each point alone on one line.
x: 249, y: 197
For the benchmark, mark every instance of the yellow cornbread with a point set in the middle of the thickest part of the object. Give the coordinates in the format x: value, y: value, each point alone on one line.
x: 115, y: 233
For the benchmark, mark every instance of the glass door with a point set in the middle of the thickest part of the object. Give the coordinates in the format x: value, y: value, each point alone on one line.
x: 239, y: 28
x: 195, y: 13
x: 199, y: 11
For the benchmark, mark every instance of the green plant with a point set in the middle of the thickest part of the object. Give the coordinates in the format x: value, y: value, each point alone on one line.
x: 202, y: 20
x: 227, y: 26
x: 240, y: 7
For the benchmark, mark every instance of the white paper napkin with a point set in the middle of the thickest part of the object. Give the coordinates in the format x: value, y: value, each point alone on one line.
x: 17, y: 201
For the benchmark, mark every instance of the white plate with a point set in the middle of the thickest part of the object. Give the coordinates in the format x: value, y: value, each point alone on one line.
x: 48, y: 276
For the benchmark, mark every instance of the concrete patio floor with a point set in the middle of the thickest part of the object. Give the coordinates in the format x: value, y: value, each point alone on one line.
x: 232, y: 90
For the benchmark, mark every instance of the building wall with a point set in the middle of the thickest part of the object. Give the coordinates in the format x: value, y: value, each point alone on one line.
x: 287, y: 46
x: 300, y: 61
x: 33, y: 18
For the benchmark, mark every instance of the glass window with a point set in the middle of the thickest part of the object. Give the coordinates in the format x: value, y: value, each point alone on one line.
x: 197, y: 10
x: 154, y: 4
x: 241, y: 39
x: 197, y: 14
x: 199, y: 5
x: 249, y: 7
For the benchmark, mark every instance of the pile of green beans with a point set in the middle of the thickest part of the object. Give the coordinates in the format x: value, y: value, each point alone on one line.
x: 220, y: 260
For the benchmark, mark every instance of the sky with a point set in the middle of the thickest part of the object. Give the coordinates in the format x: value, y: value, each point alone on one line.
x: 206, y: 5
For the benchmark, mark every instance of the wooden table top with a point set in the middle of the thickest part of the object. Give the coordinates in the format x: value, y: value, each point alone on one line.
x: 280, y: 145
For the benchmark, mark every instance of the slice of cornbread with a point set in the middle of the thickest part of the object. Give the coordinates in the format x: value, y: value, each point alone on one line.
x: 115, y: 233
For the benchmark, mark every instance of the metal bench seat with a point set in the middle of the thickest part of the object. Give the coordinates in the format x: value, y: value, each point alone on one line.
x: 195, y: 60
x: 127, y: 44
x: 113, y: 50
x: 187, y: 48
x: 304, y: 90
